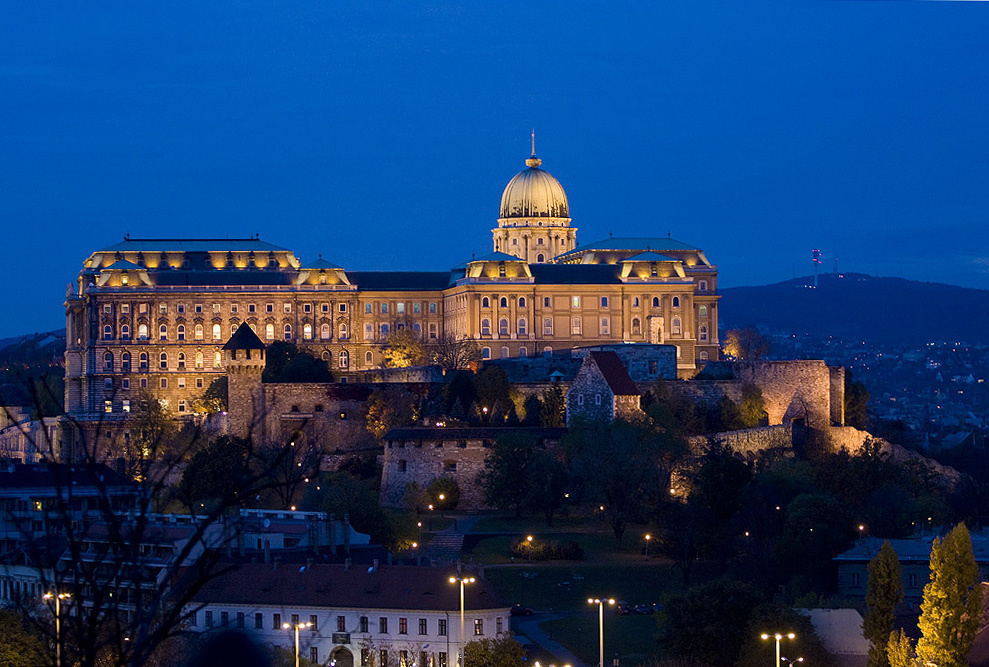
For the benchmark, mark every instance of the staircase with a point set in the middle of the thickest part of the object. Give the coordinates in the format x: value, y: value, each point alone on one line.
x: 444, y: 547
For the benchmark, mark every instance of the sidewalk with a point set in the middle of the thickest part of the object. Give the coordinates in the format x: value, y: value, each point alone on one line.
x: 530, y: 628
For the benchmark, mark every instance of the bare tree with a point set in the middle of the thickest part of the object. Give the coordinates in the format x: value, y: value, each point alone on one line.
x: 455, y: 354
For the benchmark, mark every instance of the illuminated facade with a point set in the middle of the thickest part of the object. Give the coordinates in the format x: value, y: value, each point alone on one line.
x: 154, y: 314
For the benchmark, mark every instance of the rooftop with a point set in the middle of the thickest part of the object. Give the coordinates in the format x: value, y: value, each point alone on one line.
x: 614, y: 372
x: 192, y: 245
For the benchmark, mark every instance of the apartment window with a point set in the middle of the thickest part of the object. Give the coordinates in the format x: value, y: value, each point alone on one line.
x: 341, y: 623
x: 547, y: 302
x: 383, y: 625
x: 314, y: 623
x: 432, y: 307
x: 307, y: 332
x: 125, y: 332
x: 287, y: 307
x: 108, y: 332
x: 276, y: 621
x: 575, y: 326
x: 522, y: 327
x: 363, y: 624
x: 547, y: 326
x: 604, y: 302
x: 258, y: 621
x: 403, y: 626
x: 269, y: 331
x: 209, y: 619
x: 163, y: 360
x: 441, y: 627
x: 142, y: 331
x: 605, y: 326
x: 423, y: 627
x: 485, y: 302
x: 503, y: 327
x: 485, y: 327
x: 163, y: 332
x: 478, y: 627
x: 288, y: 332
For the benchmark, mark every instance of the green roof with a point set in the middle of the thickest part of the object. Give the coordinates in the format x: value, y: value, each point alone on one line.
x: 650, y: 257
x: 124, y: 265
x: 192, y: 245
x: 321, y: 264
x: 634, y: 243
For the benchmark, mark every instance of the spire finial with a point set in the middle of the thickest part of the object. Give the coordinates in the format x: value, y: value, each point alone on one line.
x: 533, y: 161
x: 533, y: 142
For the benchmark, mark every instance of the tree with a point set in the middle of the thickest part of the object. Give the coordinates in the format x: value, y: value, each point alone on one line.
x: 219, y: 465
x: 553, y: 410
x: 404, y: 349
x: 899, y: 650
x: 952, y: 604
x: 284, y: 362
x: 507, y: 474
x: 494, y: 392
x: 745, y: 345
x: 18, y: 647
x: 214, y: 399
x: 503, y: 651
x: 856, y: 403
x: 391, y: 406
x: 455, y: 354
x: 444, y: 492
x: 885, y: 592
x: 752, y: 408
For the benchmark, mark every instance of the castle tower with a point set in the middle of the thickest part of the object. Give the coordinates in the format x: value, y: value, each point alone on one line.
x: 245, y: 363
x: 534, y: 223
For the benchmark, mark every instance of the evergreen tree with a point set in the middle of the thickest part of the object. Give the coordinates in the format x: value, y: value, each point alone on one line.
x: 884, y: 593
x: 949, y: 614
x: 899, y: 652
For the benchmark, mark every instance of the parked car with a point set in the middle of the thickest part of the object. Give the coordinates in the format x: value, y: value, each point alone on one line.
x: 623, y: 608
x: 519, y: 610
x: 644, y: 609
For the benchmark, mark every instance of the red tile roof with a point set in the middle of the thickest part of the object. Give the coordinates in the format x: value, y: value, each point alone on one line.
x: 615, y: 373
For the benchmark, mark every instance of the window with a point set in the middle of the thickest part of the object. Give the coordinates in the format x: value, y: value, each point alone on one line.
x: 702, y: 286
x: 180, y: 309
x: 108, y: 332
x: 368, y: 358
x: 676, y: 302
x: 540, y: 257
x: 125, y: 332
x: 547, y: 326
x: 368, y: 332
x: 163, y: 332
x: 485, y: 327
x: 403, y: 626
x: 503, y: 327
x: 144, y: 383
x: 276, y: 621
x: 307, y: 332
x: 125, y: 361
x: 441, y: 659
x: 181, y: 383
x: 400, y: 308
x: 417, y: 308
x: 307, y: 308
x: 604, y: 302
x: 597, y: 399
x: 523, y: 352
x: 384, y: 309
x: 209, y: 619
x: 313, y: 623
x: 108, y: 383
x: 547, y: 302
x: 199, y: 359
x: 163, y: 309
x: 217, y: 359
x: 198, y: 332
x: 504, y: 302
x: 478, y: 627
x: 703, y: 355
x: 181, y: 361
x: 142, y: 331
x: 344, y: 331
x: 107, y: 361
x: 384, y: 329
x: 636, y: 326
x: 702, y: 311
x: 107, y: 406
x: 522, y: 329
x: 224, y: 618
x: 314, y: 650
x: 383, y: 625
x: 341, y: 623
x: 423, y: 627
x: 252, y: 308
x: 269, y: 331
x: 433, y: 330
x: 344, y: 362
x: 233, y: 309
x: 216, y: 332
x: 163, y: 383
x: 635, y: 302
x: 142, y: 361
x: 199, y: 383
x: 368, y: 308
x: 384, y: 658
x: 485, y: 302
x: 605, y: 327
x: 199, y: 307
x: 856, y: 579
x: 576, y: 302
x: 485, y: 353
x: 269, y: 307
x: 677, y: 326
x: 580, y: 399
x: 703, y: 333
x: 656, y: 302
x: 258, y: 621
x: 521, y: 302
x: 575, y: 326
x: 441, y: 627
x: 163, y: 360
x: 653, y: 271
x: 499, y: 624
x: 501, y: 270
x: 288, y: 332
x: 363, y: 625
x: 432, y: 307
x: 180, y: 332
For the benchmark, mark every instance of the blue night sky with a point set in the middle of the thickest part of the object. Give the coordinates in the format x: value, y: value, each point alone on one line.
x: 381, y: 134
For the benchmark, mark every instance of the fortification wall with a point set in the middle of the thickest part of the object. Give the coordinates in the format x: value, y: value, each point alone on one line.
x: 423, y: 461
x: 747, y: 442
x: 334, y: 415
x: 792, y: 390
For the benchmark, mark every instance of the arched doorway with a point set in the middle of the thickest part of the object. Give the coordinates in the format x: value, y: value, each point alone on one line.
x: 342, y: 657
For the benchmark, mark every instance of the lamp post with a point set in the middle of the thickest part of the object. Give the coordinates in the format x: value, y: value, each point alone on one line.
x: 463, y: 581
x: 528, y: 547
x: 790, y: 661
x: 58, y: 597
x: 648, y: 540
x: 600, y: 603
x: 296, y: 627
x: 777, y: 636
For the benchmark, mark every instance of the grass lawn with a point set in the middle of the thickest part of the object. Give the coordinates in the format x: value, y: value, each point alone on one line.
x: 555, y: 587
x: 536, y: 524
x: 632, y: 637
x: 494, y: 550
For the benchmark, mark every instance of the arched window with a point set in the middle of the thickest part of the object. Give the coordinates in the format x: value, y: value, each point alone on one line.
x: 485, y: 353
x: 548, y: 351
x: 180, y: 332
x: 676, y: 302
x: 702, y: 311
x: 503, y: 327
x: 142, y: 361
x: 125, y: 332
x: 181, y: 360
x: 703, y: 334
x: 655, y: 302
x: 233, y: 329
x: 485, y: 302
x: 521, y: 302
x: 163, y: 360
x: 505, y: 353
x: 199, y: 332
x: 217, y: 359
x: 540, y: 257
x: 344, y: 359
x: 703, y: 355
x: 142, y: 331
x: 344, y: 331
x: 125, y: 361
x: 108, y: 361
x: 199, y: 359
x: 288, y: 332
x: 163, y: 332
x: 368, y: 358
x: 504, y: 302
x: 677, y: 326
x: 307, y: 331
x: 522, y: 327
x: 324, y: 331
x: 269, y: 331
x: 523, y: 351
x: 385, y: 330
x: 485, y: 327
x: 636, y: 326
x: 107, y: 332
x: 216, y: 332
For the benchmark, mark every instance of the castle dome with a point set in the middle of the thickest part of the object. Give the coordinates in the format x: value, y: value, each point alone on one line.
x: 534, y: 193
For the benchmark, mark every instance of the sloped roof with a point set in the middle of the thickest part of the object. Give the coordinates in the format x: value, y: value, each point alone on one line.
x: 497, y: 256
x: 615, y: 373
x: 124, y: 265
x: 192, y: 245
x: 321, y: 264
x: 322, y: 585
x: 53, y: 476
x: 244, y: 339
x: 650, y: 257
x: 635, y: 243
x: 399, y: 280
x: 576, y: 274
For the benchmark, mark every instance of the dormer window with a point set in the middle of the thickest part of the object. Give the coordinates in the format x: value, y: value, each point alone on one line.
x: 501, y: 270
x: 123, y: 278
x: 653, y: 271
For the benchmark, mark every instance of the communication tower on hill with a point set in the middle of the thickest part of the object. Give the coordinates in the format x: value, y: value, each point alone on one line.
x: 815, y: 258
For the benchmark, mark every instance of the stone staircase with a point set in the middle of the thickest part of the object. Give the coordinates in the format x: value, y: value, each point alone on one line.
x: 444, y: 547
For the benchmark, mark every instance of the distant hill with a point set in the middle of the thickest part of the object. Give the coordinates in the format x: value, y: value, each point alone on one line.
x: 37, y: 349
x: 858, y: 306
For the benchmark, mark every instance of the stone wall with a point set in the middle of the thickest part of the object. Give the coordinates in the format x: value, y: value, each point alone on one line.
x: 424, y: 461
x: 334, y: 415
x: 792, y: 390
x: 748, y: 441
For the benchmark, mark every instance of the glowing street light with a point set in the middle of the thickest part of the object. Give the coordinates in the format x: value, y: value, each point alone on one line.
x: 57, y: 597
x: 463, y: 581
x: 790, y: 661
x: 296, y: 627
x: 777, y: 636
x: 648, y: 540
x: 600, y: 602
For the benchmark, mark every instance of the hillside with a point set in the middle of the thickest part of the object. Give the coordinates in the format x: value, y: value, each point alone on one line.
x: 858, y: 306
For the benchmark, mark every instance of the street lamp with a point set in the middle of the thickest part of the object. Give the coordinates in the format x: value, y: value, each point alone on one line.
x: 528, y: 547
x: 648, y: 540
x: 791, y: 661
x: 296, y: 627
x: 463, y: 581
x: 58, y: 597
x: 600, y: 603
x: 777, y: 636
